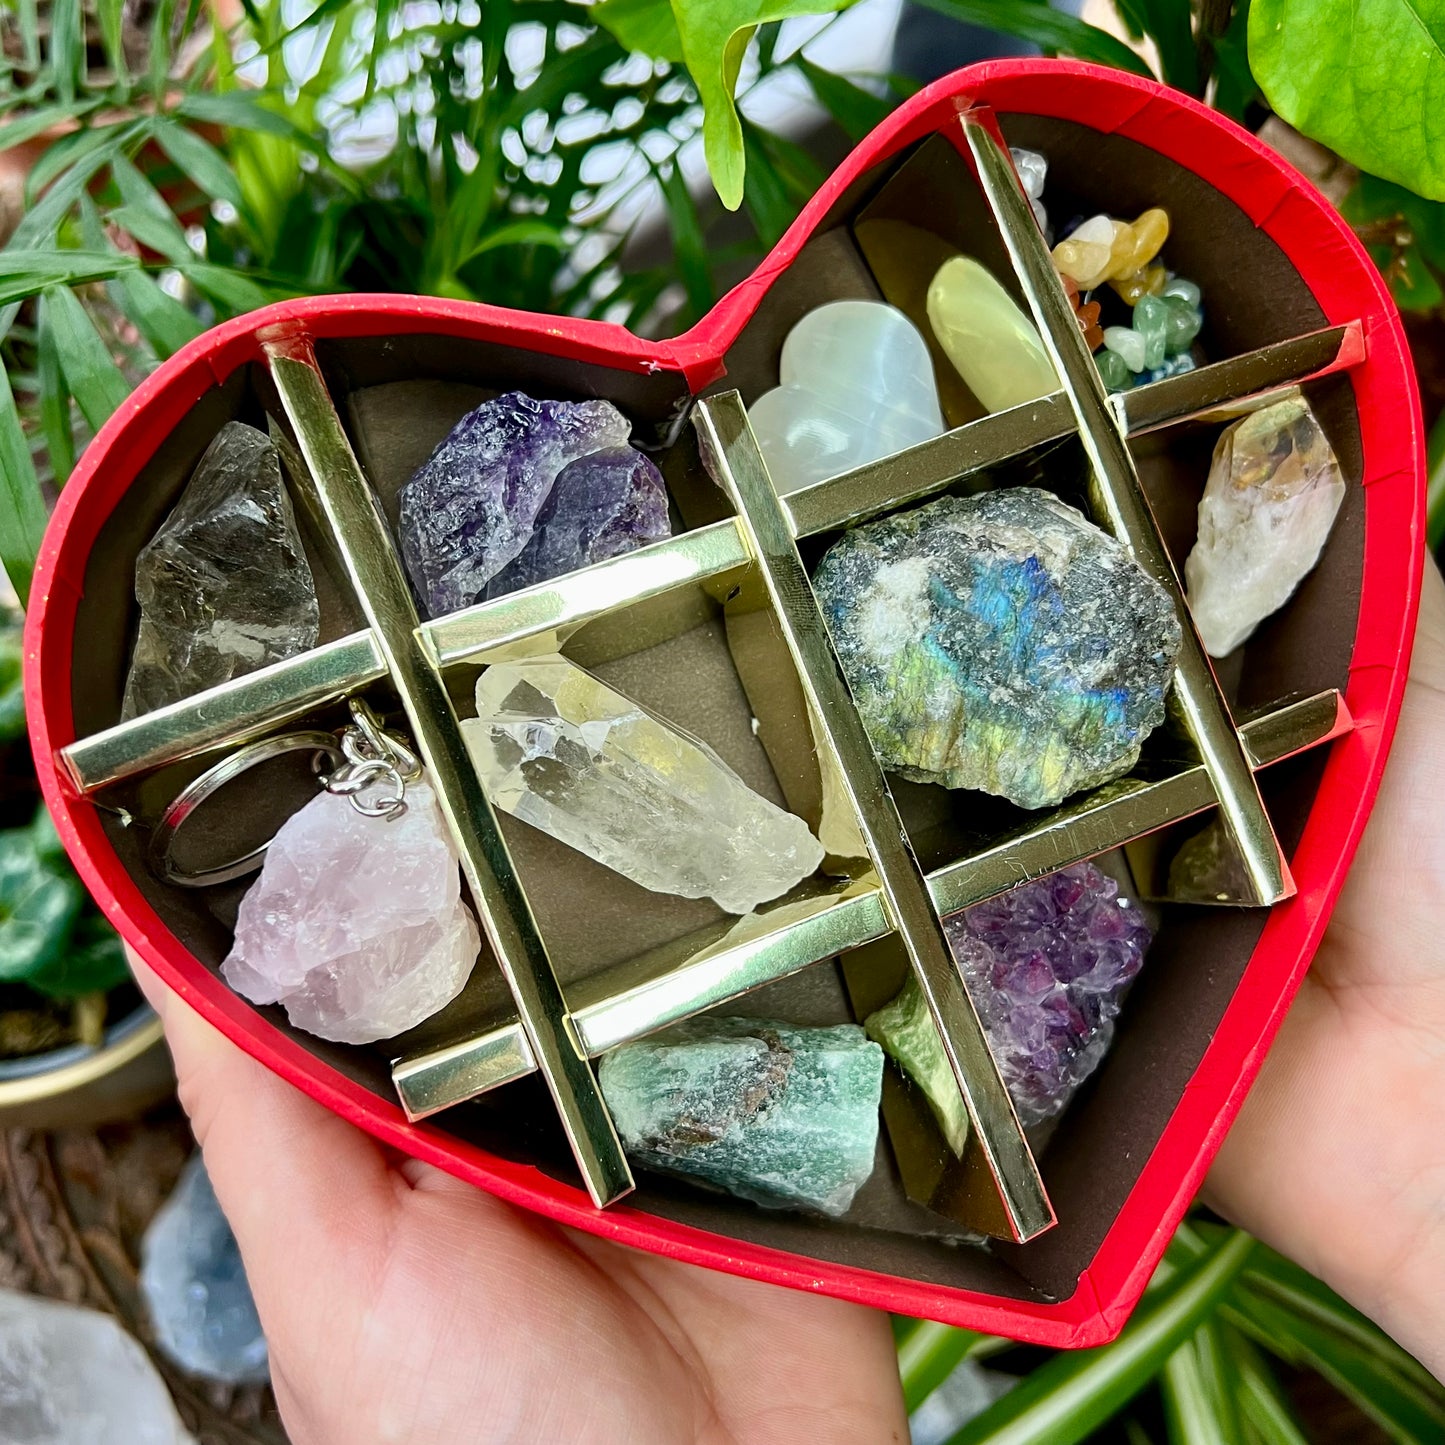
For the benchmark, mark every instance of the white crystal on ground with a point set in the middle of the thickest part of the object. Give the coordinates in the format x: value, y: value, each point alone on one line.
x: 1274, y: 489
x: 561, y: 750
x: 356, y: 924
x: 71, y: 1376
x: 856, y: 384
x: 195, y: 1286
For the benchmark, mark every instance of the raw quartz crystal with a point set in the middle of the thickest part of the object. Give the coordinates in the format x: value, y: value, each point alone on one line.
x: 72, y: 1376
x: 784, y: 1116
x: 521, y: 491
x: 856, y: 384
x: 1000, y: 642
x: 224, y: 586
x: 356, y: 924
x: 561, y: 750
x: 195, y: 1286
x: 1274, y: 489
x: 994, y: 347
x: 1046, y: 965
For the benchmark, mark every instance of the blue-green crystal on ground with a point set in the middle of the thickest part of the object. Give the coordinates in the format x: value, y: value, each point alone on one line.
x: 1000, y: 642
x: 784, y: 1116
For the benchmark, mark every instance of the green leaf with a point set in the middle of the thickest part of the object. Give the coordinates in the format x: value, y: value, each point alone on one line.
x: 22, y: 509
x: 39, y: 903
x: 1235, y: 88
x: 32, y: 123
x: 67, y: 47
x: 1168, y: 23
x: 1307, y: 1326
x: 1262, y: 1404
x: 25, y: 273
x: 25, y: 11
x: 856, y: 110
x: 198, y: 159
x: 1060, y: 1402
x: 646, y: 26
x: 1199, y: 1389
x: 929, y: 1353
x: 765, y: 192
x: 1041, y: 24
x: 164, y: 322
x: 715, y: 35
x: 1364, y: 77
x: 110, y: 16
x: 1435, y: 486
x: 55, y: 423
x: 164, y: 234
x: 94, y: 379
x: 92, y: 960
x: 529, y: 232
x: 241, y: 110
x: 688, y: 247
x: 232, y: 290
x: 12, y: 684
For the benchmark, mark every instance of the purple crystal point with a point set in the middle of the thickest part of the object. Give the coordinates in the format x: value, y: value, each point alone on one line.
x: 473, y: 507
x: 600, y: 506
x: 1045, y: 964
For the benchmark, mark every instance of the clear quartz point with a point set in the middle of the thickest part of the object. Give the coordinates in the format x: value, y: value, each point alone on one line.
x: 1274, y: 490
x: 561, y: 750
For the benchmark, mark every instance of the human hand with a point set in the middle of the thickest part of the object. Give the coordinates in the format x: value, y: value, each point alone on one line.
x: 1338, y: 1158
x: 403, y: 1307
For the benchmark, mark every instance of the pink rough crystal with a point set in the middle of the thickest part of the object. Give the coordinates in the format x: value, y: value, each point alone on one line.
x: 356, y: 924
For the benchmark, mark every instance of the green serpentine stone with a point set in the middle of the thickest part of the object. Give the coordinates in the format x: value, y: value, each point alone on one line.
x: 1000, y: 642
x: 784, y: 1116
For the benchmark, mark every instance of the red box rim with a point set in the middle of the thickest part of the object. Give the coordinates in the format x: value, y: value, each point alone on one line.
x: 1346, y: 286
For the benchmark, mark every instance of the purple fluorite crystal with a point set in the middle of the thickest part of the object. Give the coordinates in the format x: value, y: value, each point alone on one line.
x: 482, y: 499
x: 1045, y: 965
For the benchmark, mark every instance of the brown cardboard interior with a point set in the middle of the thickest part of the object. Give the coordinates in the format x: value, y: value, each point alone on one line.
x: 401, y: 394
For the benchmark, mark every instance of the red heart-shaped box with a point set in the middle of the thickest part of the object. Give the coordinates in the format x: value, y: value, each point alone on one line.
x: 1274, y: 261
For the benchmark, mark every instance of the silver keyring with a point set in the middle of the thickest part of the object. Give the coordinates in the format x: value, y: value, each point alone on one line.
x: 211, y: 782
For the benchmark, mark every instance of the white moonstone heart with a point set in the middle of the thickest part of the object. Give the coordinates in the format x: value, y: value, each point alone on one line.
x: 356, y: 924
x: 856, y: 384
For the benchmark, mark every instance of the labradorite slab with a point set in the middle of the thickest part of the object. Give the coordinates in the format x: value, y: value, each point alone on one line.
x: 784, y: 1116
x: 1000, y: 642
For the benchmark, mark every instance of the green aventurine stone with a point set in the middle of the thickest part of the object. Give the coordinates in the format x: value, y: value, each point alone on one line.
x: 1151, y: 321
x: 906, y: 1030
x: 1181, y: 326
x: 1114, y: 370
x: 784, y: 1116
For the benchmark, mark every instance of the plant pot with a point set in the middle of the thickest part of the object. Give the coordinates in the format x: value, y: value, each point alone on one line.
x: 682, y: 628
x: 78, y: 1086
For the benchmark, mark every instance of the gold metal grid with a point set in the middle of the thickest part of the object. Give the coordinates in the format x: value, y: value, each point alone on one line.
x: 606, y: 1011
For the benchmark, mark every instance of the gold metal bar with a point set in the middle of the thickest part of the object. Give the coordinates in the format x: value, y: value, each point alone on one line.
x: 1120, y: 506
x: 728, y: 442
x: 382, y: 590
x: 247, y: 707
x: 567, y: 602
x: 927, y: 467
x: 235, y: 712
x: 1246, y: 381
x: 436, y: 1081
x: 608, y: 1012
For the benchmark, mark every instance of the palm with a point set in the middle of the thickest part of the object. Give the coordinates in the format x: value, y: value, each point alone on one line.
x: 402, y: 1305
x: 1336, y: 1158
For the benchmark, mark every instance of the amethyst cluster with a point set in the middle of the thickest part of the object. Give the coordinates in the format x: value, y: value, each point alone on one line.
x: 1045, y: 965
x: 521, y: 491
